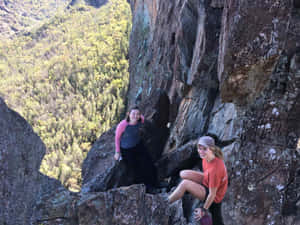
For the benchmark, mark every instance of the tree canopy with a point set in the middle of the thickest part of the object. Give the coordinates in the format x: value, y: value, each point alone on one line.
x: 68, y: 79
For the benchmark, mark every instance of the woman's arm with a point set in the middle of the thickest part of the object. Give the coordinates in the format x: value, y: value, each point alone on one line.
x: 199, y: 212
x: 210, y: 198
x: 119, y: 131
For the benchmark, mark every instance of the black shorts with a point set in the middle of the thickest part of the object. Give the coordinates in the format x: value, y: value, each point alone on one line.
x: 206, y: 192
x: 139, y: 162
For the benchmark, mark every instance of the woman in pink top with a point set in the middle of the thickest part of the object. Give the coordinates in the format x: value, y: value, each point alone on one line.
x: 130, y: 146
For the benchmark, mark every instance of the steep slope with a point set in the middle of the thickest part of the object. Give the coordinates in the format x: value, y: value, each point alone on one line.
x: 19, y: 16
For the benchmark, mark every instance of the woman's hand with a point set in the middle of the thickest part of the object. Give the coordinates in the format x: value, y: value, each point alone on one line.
x: 199, y: 213
x: 117, y: 156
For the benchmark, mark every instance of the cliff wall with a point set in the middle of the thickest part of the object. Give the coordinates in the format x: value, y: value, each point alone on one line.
x: 230, y: 69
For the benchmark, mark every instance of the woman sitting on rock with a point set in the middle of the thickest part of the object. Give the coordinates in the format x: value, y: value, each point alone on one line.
x: 130, y: 146
x: 210, y: 185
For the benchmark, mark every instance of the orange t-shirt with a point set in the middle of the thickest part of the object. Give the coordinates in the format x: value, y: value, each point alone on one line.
x: 215, y: 176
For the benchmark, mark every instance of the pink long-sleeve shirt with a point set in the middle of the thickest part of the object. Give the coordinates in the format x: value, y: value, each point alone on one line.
x: 119, y: 131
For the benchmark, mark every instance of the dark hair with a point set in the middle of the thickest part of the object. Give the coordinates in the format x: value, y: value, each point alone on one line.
x: 135, y: 107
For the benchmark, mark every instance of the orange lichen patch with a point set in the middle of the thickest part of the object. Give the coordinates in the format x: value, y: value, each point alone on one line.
x: 248, y: 80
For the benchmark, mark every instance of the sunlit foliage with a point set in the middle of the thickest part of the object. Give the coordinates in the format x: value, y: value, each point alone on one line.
x: 68, y: 79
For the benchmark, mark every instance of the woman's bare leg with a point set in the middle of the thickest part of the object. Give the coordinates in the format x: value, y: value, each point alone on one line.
x: 197, y: 190
x: 192, y: 175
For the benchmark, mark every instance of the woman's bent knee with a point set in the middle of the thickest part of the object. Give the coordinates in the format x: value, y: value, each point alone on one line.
x: 185, y: 183
x: 184, y: 174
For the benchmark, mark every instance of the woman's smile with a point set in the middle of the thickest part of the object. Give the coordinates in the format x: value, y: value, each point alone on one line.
x: 134, y: 116
x: 202, y: 151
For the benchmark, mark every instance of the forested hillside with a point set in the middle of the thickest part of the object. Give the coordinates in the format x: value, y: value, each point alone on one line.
x: 68, y: 78
x: 20, y: 15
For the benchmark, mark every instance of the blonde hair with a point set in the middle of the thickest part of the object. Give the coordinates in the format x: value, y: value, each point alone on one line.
x: 217, y: 151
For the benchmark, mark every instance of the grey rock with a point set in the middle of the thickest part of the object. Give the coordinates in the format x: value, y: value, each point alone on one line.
x: 21, y: 153
x: 250, y: 108
x: 120, y: 206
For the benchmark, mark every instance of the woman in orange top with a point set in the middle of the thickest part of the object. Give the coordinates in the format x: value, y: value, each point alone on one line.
x: 210, y: 185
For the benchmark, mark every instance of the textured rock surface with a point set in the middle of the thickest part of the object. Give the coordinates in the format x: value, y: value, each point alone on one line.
x: 100, y: 171
x: 246, y: 62
x: 127, y: 205
x: 235, y: 78
x: 21, y: 153
x: 258, y: 69
x: 178, y: 159
x: 175, y: 53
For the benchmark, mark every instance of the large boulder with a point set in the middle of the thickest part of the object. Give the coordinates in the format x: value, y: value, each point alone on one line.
x: 121, y: 206
x: 100, y: 171
x: 178, y: 159
x: 21, y: 153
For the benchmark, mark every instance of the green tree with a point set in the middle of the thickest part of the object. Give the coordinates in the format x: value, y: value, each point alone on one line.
x: 68, y: 78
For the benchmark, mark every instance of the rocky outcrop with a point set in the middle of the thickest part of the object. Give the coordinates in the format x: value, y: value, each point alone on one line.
x: 172, y: 50
x: 230, y: 69
x: 235, y: 77
x: 127, y: 205
x: 21, y: 153
x: 100, y: 171
x: 28, y: 197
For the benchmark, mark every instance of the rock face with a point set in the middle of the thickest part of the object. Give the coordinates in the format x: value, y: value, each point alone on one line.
x: 258, y: 69
x: 231, y: 70
x: 246, y: 64
x: 173, y: 50
x: 21, y: 153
